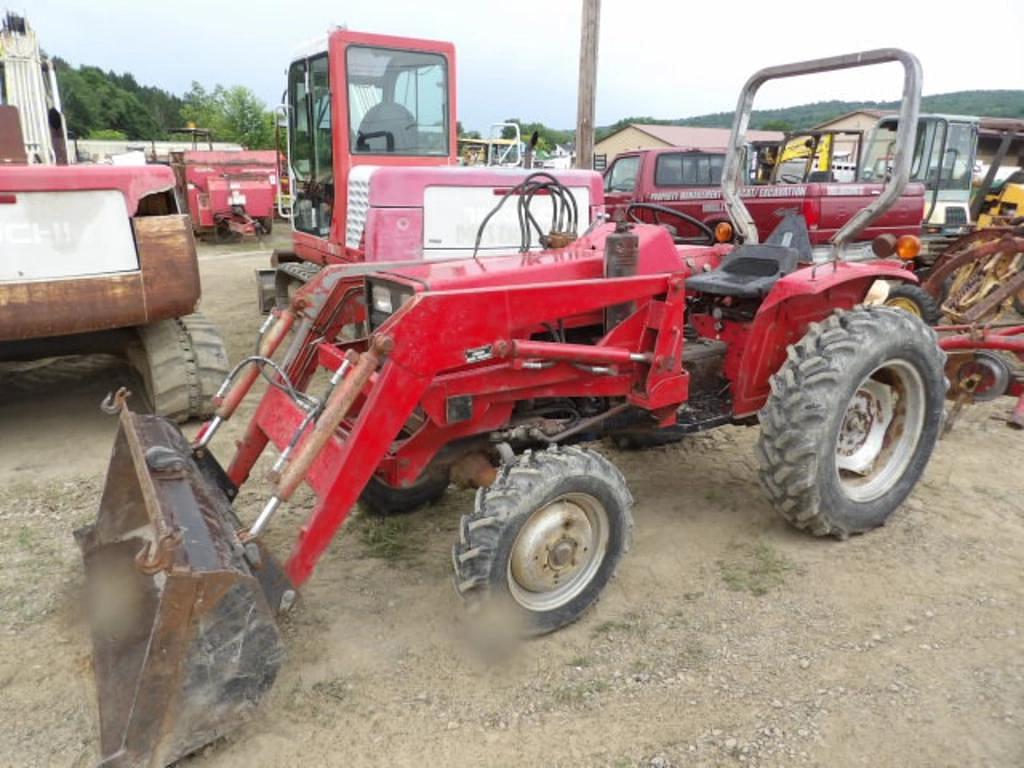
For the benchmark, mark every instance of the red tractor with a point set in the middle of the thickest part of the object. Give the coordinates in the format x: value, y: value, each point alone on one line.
x: 488, y: 372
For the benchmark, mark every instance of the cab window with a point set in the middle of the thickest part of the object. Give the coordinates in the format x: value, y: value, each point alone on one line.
x: 397, y: 101
x: 688, y: 169
x: 310, y: 149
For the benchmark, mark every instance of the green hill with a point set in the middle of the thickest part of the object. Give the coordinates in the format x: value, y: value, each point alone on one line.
x: 1008, y: 103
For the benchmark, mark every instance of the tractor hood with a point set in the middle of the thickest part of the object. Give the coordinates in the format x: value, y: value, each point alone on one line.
x: 582, y: 260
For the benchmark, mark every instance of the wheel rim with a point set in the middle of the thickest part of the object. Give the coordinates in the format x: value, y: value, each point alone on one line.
x: 558, y: 552
x: 879, y: 431
x: 907, y: 305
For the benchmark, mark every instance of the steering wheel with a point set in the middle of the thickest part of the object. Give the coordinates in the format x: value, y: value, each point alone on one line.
x: 708, y: 235
x: 790, y: 178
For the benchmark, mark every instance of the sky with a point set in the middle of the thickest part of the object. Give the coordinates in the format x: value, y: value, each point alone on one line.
x: 663, y: 59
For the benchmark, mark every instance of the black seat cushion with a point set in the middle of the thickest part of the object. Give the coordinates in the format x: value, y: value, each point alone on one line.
x: 748, y: 272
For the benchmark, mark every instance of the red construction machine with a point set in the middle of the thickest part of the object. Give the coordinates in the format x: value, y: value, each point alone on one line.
x: 229, y: 194
x: 486, y: 372
x: 98, y: 260
x: 372, y: 164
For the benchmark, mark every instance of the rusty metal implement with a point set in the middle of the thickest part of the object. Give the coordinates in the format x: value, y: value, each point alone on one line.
x: 185, y: 641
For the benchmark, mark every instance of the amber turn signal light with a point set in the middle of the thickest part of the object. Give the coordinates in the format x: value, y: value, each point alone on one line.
x: 908, y: 246
x: 723, y: 232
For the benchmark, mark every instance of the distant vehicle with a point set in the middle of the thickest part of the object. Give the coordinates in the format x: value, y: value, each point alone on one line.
x: 944, y: 158
x: 496, y: 150
x: 687, y: 180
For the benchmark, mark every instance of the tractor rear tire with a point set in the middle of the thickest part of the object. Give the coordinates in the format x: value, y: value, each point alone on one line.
x: 852, y: 419
x: 544, y: 538
x: 384, y: 500
x: 915, y: 300
x: 182, y: 363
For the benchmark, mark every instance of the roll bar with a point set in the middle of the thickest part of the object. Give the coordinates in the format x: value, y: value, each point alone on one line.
x: 905, y: 133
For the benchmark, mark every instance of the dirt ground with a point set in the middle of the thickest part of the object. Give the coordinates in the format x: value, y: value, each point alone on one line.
x: 727, y: 638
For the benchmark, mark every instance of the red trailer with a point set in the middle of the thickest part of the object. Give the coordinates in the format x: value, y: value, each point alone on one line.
x: 229, y: 194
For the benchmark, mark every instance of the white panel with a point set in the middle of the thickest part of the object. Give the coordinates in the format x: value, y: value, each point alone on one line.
x: 452, y: 216
x: 47, y: 235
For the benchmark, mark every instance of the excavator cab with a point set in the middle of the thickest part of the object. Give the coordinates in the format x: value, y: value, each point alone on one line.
x: 357, y: 99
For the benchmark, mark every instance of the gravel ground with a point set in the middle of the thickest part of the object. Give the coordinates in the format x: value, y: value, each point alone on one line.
x: 727, y: 639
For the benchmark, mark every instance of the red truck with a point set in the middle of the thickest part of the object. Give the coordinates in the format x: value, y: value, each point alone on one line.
x: 229, y: 194
x: 687, y: 180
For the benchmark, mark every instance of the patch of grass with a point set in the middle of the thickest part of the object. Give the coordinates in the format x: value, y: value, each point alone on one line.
x: 580, y: 661
x: 24, y: 539
x: 387, y: 538
x: 573, y: 695
x: 760, y: 570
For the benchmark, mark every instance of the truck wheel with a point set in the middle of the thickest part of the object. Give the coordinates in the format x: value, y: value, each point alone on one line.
x: 182, y: 362
x: 382, y: 499
x: 545, y: 538
x: 266, y: 224
x: 851, y: 421
x: 915, y: 300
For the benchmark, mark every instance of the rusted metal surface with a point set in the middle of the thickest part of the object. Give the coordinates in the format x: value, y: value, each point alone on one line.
x: 12, y: 144
x: 474, y: 470
x: 166, y: 285
x: 984, y: 270
x: 170, y: 269
x: 185, y: 641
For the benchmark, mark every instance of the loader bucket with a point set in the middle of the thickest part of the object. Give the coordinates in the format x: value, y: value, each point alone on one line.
x: 185, y: 643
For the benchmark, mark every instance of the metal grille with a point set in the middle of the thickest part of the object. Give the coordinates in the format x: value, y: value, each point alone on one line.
x: 358, y: 206
x: 956, y: 216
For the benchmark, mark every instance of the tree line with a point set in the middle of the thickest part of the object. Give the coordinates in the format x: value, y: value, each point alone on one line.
x: 99, y: 104
x: 108, y: 105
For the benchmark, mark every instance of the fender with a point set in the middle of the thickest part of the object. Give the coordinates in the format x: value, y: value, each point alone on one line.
x: 806, y: 296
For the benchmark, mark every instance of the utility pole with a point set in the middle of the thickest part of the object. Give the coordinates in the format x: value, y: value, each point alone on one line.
x: 588, y: 80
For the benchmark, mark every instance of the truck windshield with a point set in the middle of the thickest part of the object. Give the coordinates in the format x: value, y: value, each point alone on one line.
x: 690, y: 169
x: 397, y: 101
x: 943, y: 153
x: 622, y: 176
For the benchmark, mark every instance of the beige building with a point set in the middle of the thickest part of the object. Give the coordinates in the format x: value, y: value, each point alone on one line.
x: 644, y: 136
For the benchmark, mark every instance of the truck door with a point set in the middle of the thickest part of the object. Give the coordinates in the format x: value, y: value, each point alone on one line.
x: 620, y: 182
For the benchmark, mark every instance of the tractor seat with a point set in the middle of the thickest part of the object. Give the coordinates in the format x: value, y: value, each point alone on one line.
x: 749, y: 272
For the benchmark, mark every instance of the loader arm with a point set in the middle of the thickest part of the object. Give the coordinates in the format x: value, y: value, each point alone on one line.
x: 493, y: 329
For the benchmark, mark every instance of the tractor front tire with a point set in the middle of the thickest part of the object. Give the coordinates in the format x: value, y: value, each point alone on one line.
x: 382, y: 499
x: 182, y: 362
x: 544, y: 539
x: 852, y: 419
x: 915, y: 300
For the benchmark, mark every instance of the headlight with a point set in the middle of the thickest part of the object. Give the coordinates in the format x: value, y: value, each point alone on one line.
x: 385, y: 299
x: 380, y: 297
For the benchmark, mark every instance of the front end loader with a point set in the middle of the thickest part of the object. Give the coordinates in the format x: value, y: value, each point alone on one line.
x: 496, y: 373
